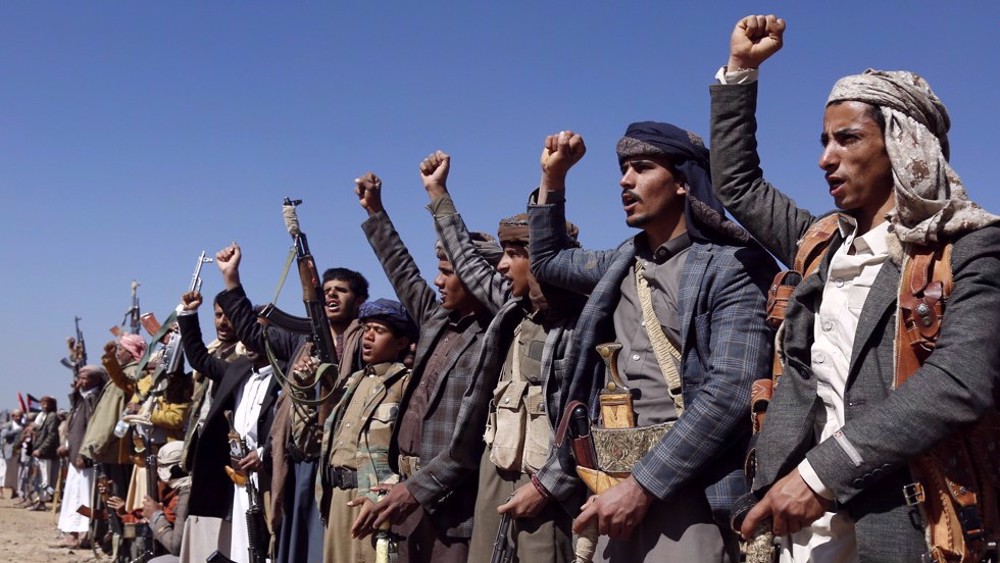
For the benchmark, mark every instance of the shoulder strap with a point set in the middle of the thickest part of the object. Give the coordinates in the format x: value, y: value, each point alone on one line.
x: 925, y: 284
x: 814, y: 242
x: 667, y: 355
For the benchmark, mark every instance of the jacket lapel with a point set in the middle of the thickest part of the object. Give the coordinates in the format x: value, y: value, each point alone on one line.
x: 694, y: 270
x: 881, y: 301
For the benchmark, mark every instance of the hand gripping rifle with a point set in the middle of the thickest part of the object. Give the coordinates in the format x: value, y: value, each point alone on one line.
x: 257, y: 534
x: 132, y: 315
x: 173, y: 353
x: 503, y: 551
x: 77, y: 357
x: 315, y: 324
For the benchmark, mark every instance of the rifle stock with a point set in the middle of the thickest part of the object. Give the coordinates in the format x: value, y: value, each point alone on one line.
x: 289, y: 322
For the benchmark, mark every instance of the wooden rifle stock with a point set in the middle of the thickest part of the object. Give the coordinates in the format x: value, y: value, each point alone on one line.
x: 312, y: 287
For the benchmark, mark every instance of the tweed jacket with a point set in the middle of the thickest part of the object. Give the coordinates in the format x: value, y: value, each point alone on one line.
x: 494, y: 290
x: 78, y: 419
x: 884, y: 427
x: 725, y: 346
x: 373, y: 429
x: 46, y: 437
x: 445, y: 488
x: 211, y: 489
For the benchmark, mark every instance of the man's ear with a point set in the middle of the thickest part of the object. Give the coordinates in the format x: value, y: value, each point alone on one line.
x: 682, y: 188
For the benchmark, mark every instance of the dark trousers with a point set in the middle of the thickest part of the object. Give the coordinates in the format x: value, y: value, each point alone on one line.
x: 422, y: 543
x: 301, y: 536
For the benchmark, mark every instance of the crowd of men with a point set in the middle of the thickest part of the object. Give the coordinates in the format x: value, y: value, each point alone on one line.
x: 458, y: 423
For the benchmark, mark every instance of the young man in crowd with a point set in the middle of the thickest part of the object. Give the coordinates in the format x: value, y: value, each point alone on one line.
x: 246, y: 391
x: 296, y: 435
x: 432, y: 507
x: 685, y: 298
x: 833, y: 456
x: 355, y: 455
x: 518, y: 387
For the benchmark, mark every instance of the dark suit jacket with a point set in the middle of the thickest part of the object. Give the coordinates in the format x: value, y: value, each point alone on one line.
x: 445, y: 487
x: 725, y: 346
x: 885, y: 428
x: 211, y: 489
x: 46, y: 437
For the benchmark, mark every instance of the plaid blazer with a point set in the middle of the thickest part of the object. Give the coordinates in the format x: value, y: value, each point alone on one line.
x: 493, y: 290
x: 445, y: 487
x: 726, y: 344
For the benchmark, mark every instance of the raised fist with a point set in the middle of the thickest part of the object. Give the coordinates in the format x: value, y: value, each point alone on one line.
x: 369, y: 191
x: 754, y: 40
x: 560, y: 152
x: 434, y: 173
x: 228, y: 260
x: 191, y: 300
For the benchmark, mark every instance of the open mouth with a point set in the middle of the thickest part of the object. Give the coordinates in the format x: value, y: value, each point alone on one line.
x: 628, y: 201
x: 835, y: 184
x: 332, y: 307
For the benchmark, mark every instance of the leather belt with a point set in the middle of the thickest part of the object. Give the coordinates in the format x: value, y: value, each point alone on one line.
x: 408, y: 466
x: 297, y: 455
x: 342, y: 477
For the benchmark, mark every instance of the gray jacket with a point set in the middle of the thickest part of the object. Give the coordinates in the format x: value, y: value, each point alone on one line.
x: 884, y: 428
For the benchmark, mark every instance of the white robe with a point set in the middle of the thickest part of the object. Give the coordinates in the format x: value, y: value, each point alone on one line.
x: 79, y: 484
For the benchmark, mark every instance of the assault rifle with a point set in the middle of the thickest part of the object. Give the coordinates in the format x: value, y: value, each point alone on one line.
x: 315, y: 324
x: 257, y: 534
x: 152, y: 548
x: 503, y: 551
x: 77, y: 357
x: 172, y: 352
x: 132, y: 315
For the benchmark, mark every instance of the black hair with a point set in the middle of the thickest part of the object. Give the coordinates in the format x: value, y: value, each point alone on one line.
x: 871, y: 110
x: 357, y: 282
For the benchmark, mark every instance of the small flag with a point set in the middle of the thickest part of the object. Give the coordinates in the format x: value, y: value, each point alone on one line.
x: 34, y: 405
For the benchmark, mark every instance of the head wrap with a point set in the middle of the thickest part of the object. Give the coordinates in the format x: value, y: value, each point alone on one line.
x: 703, y: 212
x: 391, y: 313
x: 484, y: 244
x: 515, y: 230
x: 96, y: 371
x: 931, y: 202
x: 170, y: 453
x: 135, y: 345
x: 168, y: 457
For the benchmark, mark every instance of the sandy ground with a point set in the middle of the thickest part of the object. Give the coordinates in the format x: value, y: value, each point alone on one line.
x: 31, y: 537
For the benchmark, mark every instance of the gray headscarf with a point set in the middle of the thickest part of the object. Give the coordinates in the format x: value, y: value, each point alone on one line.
x: 931, y: 202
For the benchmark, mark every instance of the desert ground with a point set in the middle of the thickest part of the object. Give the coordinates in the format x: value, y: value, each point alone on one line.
x: 31, y: 537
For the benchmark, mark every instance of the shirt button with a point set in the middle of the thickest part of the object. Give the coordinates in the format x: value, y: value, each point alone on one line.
x: 839, y: 282
x: 642, y: 323
x: 820, y: 358
x: 506, y: 400
x: 348, y: 424
x: 635, y: 356
x: 827, y: 325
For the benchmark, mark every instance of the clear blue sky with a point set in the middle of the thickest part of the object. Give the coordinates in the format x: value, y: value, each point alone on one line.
x: 133, y: 135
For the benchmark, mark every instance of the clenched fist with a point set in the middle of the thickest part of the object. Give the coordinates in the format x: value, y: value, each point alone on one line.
x: 434, y: 173
x: 754, y: 40
x: 368, y: 188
